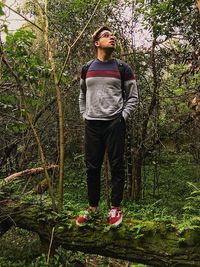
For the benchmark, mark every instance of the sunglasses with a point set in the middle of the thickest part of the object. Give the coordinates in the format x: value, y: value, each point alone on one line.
x: 106, y: 35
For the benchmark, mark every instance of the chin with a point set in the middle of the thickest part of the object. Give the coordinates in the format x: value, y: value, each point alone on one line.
x: 111, y: 49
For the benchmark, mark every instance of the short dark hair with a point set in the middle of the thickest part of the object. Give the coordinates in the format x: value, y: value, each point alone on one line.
x: 96, y: 34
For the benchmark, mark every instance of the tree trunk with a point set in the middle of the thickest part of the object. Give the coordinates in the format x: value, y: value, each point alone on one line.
x: 128, y: 163
x: 136, y: 193
x: 106, y: 179
x: 153, y: 243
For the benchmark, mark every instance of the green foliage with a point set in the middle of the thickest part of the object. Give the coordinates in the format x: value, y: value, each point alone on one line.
x: 1, y: 9
x: 59, y: 259
x: 63, y: 258
x: 174, y: 172
x: 4, y: 262
x: 20, y: 51
x: 23, y: 40
x: 17, y: 127
x: 42, y: 261
x: 18, y: 245
x: 166, y: 16
x: 193, y: 201
x: 150, y: 212
x: 8, y: 100
x: 4, y: 26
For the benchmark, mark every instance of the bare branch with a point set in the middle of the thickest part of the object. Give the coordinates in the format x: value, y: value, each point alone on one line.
x: 10, y: 8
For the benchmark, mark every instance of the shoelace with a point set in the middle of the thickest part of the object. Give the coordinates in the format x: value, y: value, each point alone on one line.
x: 114, y: 213
x: 90, y: 213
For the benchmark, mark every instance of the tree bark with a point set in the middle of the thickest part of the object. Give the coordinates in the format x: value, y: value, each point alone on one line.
x: 153, y: 243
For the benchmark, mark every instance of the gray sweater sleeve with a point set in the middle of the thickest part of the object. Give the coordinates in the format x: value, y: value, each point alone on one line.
x: 131, y: 100
x: 82, y: 97
x: 131, y: 93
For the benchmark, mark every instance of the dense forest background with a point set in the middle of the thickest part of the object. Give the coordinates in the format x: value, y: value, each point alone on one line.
x: 40, y: 122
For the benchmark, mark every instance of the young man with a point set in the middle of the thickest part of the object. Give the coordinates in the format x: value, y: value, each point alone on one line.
x: 105, y: 107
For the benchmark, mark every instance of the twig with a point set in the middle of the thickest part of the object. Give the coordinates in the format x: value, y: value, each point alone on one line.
x: 50, y: 245
x: 6, y: 218
x: 29, y: 179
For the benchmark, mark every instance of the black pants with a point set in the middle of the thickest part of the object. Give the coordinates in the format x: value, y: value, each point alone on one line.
x: 101, y: 136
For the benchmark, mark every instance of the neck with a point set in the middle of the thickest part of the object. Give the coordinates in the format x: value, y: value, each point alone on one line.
x: 104, y: 55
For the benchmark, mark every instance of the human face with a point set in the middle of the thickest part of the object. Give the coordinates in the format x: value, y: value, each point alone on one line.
x: 106, y: 40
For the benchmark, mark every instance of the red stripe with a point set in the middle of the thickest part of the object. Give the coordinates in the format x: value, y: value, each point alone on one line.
x: 103, y: 73
x: 130, y: 77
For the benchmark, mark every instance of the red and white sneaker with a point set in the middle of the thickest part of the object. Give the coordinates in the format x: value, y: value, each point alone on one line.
x: 115, y: 216
x: 89, y: 216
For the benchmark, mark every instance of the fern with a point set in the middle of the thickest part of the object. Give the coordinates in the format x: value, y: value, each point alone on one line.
x: 192, y: 206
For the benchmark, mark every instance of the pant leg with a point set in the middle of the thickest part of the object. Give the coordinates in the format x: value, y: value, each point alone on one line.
x: 94, y: 154
x: 115, y: 143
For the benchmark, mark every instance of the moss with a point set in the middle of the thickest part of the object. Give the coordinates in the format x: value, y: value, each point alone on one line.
x: 192, y: 236
x: 18, y: 243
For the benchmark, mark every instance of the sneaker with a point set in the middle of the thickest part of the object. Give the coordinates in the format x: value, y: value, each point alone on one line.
x: 115, y: 216
x: 89, y: 216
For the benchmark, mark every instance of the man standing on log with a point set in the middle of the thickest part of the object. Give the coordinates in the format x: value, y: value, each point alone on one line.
x: 108, y: 95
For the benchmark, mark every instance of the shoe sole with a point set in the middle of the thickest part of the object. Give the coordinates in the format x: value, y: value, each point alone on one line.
x: 80, y: 224
x: 85, y: 223
x: 117, y: 223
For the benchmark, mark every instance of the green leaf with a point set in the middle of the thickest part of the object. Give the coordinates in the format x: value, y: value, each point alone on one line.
x: 5, y: 29
x: 1, y: 9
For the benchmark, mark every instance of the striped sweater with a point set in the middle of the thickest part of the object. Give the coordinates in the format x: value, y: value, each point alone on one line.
x: 101, y: 95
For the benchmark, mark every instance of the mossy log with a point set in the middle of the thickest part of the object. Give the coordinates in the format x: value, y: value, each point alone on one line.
x: 153, y: 243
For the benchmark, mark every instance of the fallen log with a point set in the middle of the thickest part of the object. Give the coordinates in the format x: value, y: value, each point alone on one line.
x: 32, y: 171
x: 154, y: 243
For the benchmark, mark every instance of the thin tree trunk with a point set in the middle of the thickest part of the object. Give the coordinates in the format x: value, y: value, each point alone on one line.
x: 129, y: 162
x: 106, y: 179
x: 60, y: 109
x: 136, y: 192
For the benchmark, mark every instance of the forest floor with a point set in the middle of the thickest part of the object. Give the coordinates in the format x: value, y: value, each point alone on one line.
x: 166, y: 192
